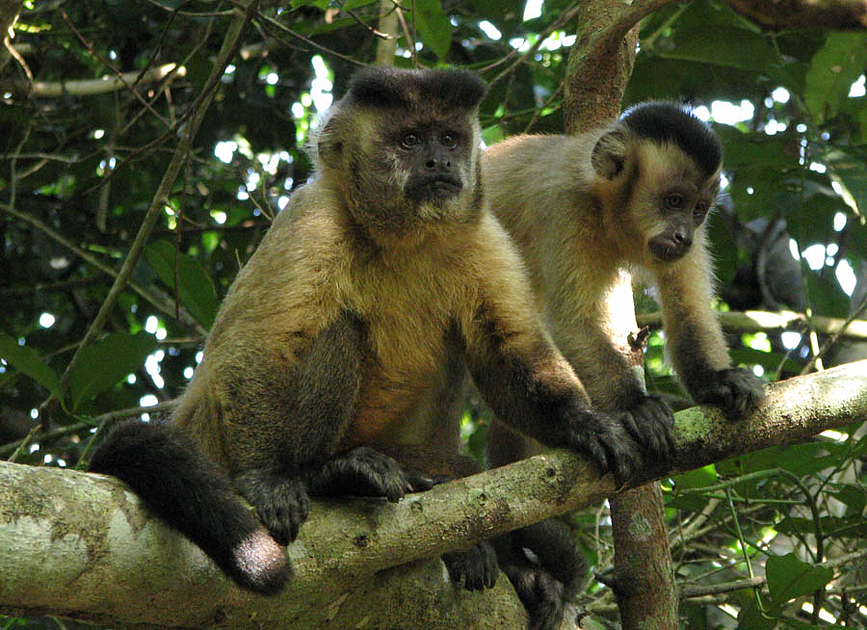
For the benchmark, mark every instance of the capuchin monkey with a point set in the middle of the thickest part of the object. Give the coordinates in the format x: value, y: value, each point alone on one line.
x: 587, y: 213
x: 384, y: 278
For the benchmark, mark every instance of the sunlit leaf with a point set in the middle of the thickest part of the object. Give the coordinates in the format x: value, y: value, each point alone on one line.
x: 832, y: 71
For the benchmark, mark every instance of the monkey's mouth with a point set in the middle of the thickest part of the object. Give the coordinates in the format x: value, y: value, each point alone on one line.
x: 435, y: 188
x: 667, y: 250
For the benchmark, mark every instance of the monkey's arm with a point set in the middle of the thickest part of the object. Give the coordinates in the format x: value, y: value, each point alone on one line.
x: 520, y: 373
x: 695, y: 342
x: 594, y: 336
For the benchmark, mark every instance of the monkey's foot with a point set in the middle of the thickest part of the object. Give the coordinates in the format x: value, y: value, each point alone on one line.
x: 477, y: 568
x: 603, y: 438
x: 735, y: 390
x: 361, y: 472
x: 650, y: 422
x: 281, y: 502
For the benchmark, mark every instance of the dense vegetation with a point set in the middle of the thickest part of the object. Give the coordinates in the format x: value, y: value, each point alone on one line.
x: 82, y: 160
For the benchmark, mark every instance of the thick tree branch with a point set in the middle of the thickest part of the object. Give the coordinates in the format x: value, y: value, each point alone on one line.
x: 767, y: 321
x: 111, y: 561
x: 791, y: 14
x: 88, y: 87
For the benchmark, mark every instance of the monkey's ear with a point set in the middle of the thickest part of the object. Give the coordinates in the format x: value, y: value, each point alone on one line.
x: 609, y: 155
x: 327, y: 144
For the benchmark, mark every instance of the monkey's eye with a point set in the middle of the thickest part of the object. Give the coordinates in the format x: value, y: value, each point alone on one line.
x: 699, y: 210
x: 674, y: 201
x: 449, y: 141
x: 410, y: 140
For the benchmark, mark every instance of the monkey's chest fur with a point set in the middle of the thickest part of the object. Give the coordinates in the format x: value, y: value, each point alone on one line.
x: 410, y: 317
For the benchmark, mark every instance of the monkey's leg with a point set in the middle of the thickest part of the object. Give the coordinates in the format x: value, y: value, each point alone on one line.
x: 476, y: 567
x: 545, y: 568
x: 596, y: 340
x: 541, y: 561
x: 528, y: 384
x: 281, y: 423
x: 364, y: 472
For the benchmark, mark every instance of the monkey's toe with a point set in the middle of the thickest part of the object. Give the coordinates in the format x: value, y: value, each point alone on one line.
x: 650, y: 423
x: 541, y: 594
x: 281, y: 502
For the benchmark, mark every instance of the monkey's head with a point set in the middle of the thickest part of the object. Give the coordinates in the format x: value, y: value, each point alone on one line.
x: 662, y: 165
x: 402, y: 146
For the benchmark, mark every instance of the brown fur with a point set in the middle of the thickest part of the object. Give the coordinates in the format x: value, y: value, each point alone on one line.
x: 584, y: 231
x: 342, y: 342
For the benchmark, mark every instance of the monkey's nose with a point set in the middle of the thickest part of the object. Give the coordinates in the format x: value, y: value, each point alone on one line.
x: 433, y: 164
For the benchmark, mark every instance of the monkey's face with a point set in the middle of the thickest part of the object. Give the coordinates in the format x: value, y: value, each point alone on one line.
x: 680, y: 215
x: 671, y: 204
x: 431, y: 164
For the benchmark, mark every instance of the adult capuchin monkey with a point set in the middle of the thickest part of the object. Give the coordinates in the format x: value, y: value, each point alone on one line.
x: 587, y: 213
x: 384, y: 276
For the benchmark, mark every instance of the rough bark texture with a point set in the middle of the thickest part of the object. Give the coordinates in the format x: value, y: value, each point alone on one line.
x: 80, y: 545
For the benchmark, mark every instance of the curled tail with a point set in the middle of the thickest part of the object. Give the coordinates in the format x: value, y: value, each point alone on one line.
x: 193, y: 495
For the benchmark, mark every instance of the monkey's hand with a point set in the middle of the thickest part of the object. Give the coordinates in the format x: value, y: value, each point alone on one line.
x: 477, y: 567
x: 603, y: 438
x: 363, y: 472
x: 734, y: 390
x: 281, y: 502
x: 649, y: 422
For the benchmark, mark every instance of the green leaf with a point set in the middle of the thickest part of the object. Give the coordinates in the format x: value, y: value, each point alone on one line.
x: 788, y: 577
x: 28, y: 362
x: 698, y: 478
x: 751, y: 618
x: 750, y: 149
x: 195, y: 289
x: 832, y: 526
x: 849, y: 167
x: 721, y: 45
x: 832, y: 71
x: 106, y: 363
x: 825, y: 295
x: 434, y: 26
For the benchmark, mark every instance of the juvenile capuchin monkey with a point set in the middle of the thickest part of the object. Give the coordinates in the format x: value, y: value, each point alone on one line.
x: 589, y: 212
x: 384, y: 276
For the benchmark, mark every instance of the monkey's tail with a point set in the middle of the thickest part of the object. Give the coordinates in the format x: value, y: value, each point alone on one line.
x: 193, y: 495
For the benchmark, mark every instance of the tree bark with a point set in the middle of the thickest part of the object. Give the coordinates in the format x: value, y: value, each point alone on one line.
x: 80, y: 545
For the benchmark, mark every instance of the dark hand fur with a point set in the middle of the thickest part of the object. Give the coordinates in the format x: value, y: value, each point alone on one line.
x: 650, y: 423
x: 735, y: 390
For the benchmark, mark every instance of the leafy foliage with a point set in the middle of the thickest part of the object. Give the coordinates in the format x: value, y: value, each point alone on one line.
x: 78, y: 172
